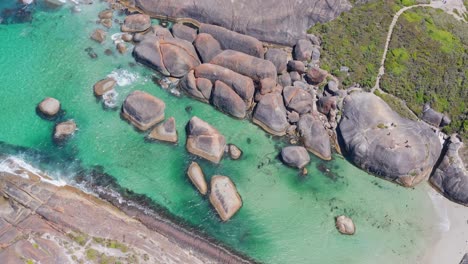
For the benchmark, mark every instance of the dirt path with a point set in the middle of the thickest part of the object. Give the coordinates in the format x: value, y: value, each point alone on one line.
x: 446, y: 5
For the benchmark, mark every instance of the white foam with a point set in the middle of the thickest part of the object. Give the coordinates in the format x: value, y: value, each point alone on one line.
x: 123, y: 77
x: 110, y: 98
x: 117, y: 38
x: 17, y: 166
x: 441, y: 210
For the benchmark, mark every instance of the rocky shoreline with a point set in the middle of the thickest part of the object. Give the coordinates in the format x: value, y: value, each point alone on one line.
x: 56, y: 216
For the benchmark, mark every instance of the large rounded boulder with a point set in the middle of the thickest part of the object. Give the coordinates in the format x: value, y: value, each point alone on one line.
x: 204, y: 140
x: 270, y: 114
x: 295, y: 156
x: 169, y: 56
x: 136, y: 23
x: 143, y: 110
x: 298, y: 99
x: 224, y: 197
x: 49, y: 106
x: 315, y: 136
x: 381, y: 142
x: 227, y: 101
x: 451, y: 176
x: 207, y: 46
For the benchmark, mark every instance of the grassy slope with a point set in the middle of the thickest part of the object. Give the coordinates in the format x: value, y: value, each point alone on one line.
x: 426, y: 57
x: 428, y: 62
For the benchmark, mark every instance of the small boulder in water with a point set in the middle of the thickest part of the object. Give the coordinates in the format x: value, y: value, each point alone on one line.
x: 49, y: 106
x: 345, y: 225
x: 127, y: 37
x: 104, y: 86
x: 234, y: 152
x: 197, y: 177
x: 106, y: 14
x: 143, y: 110
x: 122, y: 48
x: 64, y: 130
x: 224, y: 197
x: 165, y: 131
x: 99, y: 35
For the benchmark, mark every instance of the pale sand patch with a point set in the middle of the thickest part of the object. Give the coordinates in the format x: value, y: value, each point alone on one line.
x: 450, y: 241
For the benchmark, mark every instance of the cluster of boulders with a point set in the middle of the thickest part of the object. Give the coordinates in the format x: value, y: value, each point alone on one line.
x: 433, y: 117
x: 49, y: 109
x: 223, y: 193
x: 283, y: 93
x: 146, y: 112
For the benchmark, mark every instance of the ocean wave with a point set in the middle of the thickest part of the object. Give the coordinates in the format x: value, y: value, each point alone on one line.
x: 123, y: 77
x: 17, y: 166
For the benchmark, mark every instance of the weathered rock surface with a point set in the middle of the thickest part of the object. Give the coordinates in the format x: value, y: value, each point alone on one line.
x: 196, y: 88
x: 297, y: 99
x: 99, y: 35
x: 207, y: 47
x: 103, y: 86
x: 224, y: 197
x: 143, y: 110
x: 136, y: 23
x: 295, y: 65
x: 316, y: 76
x: 184, y: 32
x: 431, y: 116
x: 45, y: 223
x: 234, y: 152
x: 196, y: 175
x: 451, y: 176
x: 169, y: 56
x: 314, y: 136
x: 378, y: 140
x: 278, y: 57
x: 204, y: 140
x: 231, y: 40
x: 64, y: 130
x: 242, y: 85
x: 345, y: 225
x: 295, y: 156
x: 273, y: 21
x: 270, y: 114
x: 49, y: 106
x: 284, y: 79
x: 247, y: 65
x: 327, y: 103
x: 303, y: 50
x: 227, y: 101
x: 106, y: 14
x: 165, y: 131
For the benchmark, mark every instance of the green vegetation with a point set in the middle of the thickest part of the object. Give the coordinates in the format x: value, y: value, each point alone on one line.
x: 356, y: 39
x: 92, y: 254
x: 427, y: 62
x: 79, y: 238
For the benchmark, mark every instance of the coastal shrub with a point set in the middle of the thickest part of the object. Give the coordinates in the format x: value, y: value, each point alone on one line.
x: 427, y: 63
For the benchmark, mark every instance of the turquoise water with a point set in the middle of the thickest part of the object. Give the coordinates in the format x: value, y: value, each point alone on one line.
x: 286, y: 218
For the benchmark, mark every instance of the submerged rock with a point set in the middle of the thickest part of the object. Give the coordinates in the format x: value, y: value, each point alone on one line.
x: 106, y: 14
x: 314, y: 136
x: 165, y: 131
x: 136, y: 23
x: 204, y: 140
x: 64, y: 130
x: 195, y: 174
x: 295, y: 156
x: 224, y: 197
x: 345, y: 225
x: 231, y: 40
x: 103, y: 86
x: 451, y: 176
x: 49, y: 106
x: 270, y: 114
x: 99, y: 35
x: 143, y: 110
x: 379, y: 141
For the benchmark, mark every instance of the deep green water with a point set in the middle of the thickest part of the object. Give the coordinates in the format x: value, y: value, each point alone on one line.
x: 285, y: 218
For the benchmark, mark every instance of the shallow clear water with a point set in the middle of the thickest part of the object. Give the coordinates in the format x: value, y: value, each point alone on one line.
x: 285, y: 218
